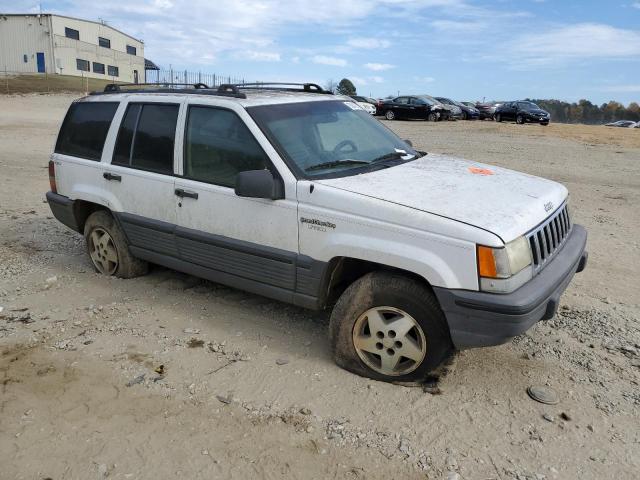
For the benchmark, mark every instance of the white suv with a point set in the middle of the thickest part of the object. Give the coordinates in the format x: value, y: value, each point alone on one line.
x: 301, y: 196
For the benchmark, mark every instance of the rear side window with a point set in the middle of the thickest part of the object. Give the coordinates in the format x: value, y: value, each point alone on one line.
x: 85, y: 129
x: 146, y: 137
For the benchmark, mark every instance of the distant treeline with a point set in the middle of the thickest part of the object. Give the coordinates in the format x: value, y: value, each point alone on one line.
x: 586, y: 112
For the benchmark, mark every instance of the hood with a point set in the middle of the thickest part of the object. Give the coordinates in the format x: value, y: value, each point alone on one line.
x: 538, y: 111
x: 501, y: 201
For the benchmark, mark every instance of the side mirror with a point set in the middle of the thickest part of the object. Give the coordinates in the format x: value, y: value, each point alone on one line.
x: 259, y: 184
x: 408, y: 142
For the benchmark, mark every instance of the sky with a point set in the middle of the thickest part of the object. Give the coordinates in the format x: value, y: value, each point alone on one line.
x: 463, y: 49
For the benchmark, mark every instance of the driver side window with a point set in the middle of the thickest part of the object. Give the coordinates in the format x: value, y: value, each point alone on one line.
x: 218, y: 146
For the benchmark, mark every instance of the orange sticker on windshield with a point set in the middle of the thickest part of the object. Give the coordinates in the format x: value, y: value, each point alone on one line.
x: 480, y: 171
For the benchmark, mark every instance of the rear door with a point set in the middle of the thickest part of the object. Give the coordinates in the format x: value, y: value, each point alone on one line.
x: 401, y: 107
x: 140, y: 176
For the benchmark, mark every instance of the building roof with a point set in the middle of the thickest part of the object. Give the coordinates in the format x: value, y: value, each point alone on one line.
x: 149, y: 65
x: 104, y: 24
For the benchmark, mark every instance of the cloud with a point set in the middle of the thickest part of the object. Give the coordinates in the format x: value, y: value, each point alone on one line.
x: 333, y: 61
x: 261, y: 56
x: 636, y: 5
x: 376, y: 79
x: 457, y: 27
x: 368, y: 42
x: 621, y: 88
x: 424, y: 79
x: 378, y: 67
x: 574, y: 43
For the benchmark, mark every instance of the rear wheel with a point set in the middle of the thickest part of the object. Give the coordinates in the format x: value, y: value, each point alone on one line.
x: 389, y: 115
x: 498, y: 117
x: 389, y: 327
x: 107, y: 247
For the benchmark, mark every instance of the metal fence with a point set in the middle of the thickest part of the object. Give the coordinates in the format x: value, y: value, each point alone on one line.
x: 184, y: 76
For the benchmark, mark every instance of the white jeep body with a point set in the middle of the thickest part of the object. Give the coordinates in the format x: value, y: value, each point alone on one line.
x: 425, y: 217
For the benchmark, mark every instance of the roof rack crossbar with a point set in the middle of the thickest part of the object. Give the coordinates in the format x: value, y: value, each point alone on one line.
x: 286, y: 86
x: 116, y: 87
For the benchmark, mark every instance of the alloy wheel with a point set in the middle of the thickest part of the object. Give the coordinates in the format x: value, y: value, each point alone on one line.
x: 103, y: 252
x: 389, y: 341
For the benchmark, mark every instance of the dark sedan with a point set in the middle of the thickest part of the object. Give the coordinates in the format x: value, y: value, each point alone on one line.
x: 468, y: 112
x: 522, y: 112
x: 418, y: 106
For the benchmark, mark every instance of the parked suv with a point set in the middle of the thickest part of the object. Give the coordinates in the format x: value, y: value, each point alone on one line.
x: 302, y: 196
x: 421, y: 107
x: 522, y: 112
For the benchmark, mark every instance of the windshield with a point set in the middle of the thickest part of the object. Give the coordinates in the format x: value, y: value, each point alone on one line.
x: 528, y: 106
x: 329, y: 138
x: 429, y: 99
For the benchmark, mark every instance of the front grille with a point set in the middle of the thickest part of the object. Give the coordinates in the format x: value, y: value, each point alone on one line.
x: 547, y: 238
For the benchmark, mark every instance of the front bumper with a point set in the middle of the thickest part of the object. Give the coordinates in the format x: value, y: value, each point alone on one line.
x: 480, y: 319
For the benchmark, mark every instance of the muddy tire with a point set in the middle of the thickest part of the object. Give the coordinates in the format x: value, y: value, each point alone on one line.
x: 389, y: 327
x: 107, y: 248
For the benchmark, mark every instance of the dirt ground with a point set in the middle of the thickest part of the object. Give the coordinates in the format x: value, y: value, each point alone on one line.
x: 247, y: 387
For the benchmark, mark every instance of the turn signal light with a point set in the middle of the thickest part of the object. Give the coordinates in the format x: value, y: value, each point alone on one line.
x: 486, y: 262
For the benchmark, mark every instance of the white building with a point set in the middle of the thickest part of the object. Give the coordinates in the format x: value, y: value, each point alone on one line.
x: 55, y: 44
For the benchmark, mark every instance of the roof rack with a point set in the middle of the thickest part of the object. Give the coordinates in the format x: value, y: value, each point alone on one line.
x: 225, y: 90
x: 281, y: 86
x: 162, y: 87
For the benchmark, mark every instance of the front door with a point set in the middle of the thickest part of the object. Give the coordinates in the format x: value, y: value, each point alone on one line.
x: 40, y: 62
x: 141, y: 176
x: 244, y: 242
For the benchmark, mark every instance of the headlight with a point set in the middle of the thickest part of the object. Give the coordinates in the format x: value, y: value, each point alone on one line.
x: 503, y: 270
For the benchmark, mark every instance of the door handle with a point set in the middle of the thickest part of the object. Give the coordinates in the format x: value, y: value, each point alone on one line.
x: 186, y: 193
x: 112, y: 176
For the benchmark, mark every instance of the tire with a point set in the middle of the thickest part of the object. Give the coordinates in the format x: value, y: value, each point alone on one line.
x: 398, y: 301
x: 389, y: 115
x: 465, y: 116
x: 432, y: 117
x: 544, y: 124
x: 498, y: 117
x: 520, y: 120
x: 107, y: 247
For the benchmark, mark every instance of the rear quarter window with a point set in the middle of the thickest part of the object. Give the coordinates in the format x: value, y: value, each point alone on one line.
x: 85, y: 129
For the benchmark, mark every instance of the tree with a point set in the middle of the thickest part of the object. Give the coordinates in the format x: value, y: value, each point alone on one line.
x: 330, y: 86
x: 346, y: 87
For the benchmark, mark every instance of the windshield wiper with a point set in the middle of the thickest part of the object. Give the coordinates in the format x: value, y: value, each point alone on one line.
x: 335, y: 163
x: 392, y: 156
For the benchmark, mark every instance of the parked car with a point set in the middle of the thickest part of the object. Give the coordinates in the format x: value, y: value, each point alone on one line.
x: 455, y: 112
x: 368, y: 104
x: 522, y: 112
x: 466, y: 112
x: 621, y: 123
x: 637, y: 125
x: 296, y: 195
x: 486, y: 110
x: 422, y: 107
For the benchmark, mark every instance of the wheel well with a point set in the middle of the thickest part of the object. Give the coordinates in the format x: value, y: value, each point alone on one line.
x: 343, y: 271
x: 82, y: 209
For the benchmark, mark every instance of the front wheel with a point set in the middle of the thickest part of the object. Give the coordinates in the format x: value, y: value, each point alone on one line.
x: 388, y: 327
x: 389, y: 115
x: 432, y: 117
x: 498, y: 117
x: 107, y: 247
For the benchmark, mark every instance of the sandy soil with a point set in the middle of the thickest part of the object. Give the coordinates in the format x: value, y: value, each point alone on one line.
x: 248, y: 388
